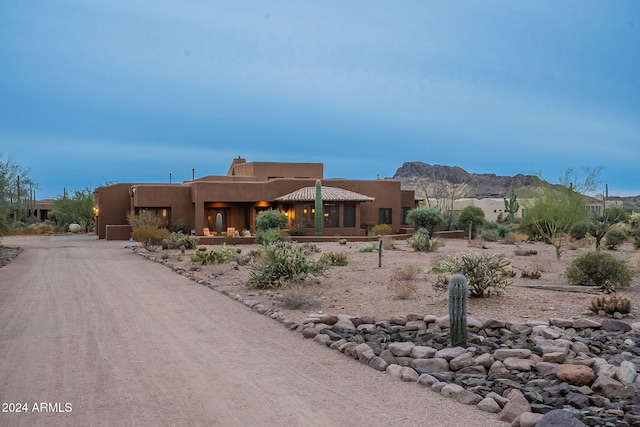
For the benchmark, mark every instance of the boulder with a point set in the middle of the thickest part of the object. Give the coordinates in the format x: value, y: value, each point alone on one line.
x: 401, y: 348
x: 605, y: 385
x: 517, y: 405
x: 431, y: 365
x: 559, y: 417
x: 575, y: 374
x: 503, y: 353
x: 489, y: 405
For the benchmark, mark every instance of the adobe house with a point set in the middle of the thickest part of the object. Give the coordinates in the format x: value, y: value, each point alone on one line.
x: 349, y: 206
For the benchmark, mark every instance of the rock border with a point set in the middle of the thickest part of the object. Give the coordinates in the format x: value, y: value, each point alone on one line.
x: 530, y: 373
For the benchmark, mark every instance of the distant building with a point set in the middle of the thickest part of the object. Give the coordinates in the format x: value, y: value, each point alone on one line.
x: 35, y: 210
x: 494, y: 207
x: 350, y: 206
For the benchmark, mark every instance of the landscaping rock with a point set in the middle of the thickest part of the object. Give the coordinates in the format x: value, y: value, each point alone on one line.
x: 575, y: 374
x: 517, y: 405
x: 559, y: 418
x: 489, y: 405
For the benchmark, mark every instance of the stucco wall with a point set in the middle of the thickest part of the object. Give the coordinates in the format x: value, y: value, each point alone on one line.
x: 113, y: 203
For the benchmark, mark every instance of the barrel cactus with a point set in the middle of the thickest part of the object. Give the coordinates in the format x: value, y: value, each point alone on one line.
x: 458, y: 297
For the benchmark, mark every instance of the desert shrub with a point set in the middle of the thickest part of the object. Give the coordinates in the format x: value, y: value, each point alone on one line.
x: 218, y: 256
x: 407, y: 272
x: 614, y: 238
x: 636, y: 239
x: 280, y: 265
x: 299, y: 299
x: 270, y: 236
x: 488, y: 274
x: 178, y: 238
x: 143, y: 218
x: 371, y: 247
x: 388, y: 243
x: 597, y: 267
x: 20, y: 228
x: 490, y: 235
x: 582, y: 230
x: 496, y: 228
x: 297, y: 230
x: 584, y: 243
x: 381, y: 229
x: 271, y: 219
x: 402, y: 290
x: 150, y: 236
x: 525, y: 252
x: 610, y: 304
x: 509, y: 239
x: 224, y: 254
x: 418, y: 241
x: 430, y: 219
x: 335, y: 258
x: 180, y: 225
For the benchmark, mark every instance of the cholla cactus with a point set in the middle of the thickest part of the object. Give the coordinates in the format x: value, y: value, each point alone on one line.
x: 458, y: 297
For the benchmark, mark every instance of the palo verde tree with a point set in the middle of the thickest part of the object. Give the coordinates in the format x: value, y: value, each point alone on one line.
x: 471, y: 217
x: 554, y: 211
x: 430, y: 219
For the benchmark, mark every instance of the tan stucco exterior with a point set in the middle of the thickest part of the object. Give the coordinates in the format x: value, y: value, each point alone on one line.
x: 247, y: 189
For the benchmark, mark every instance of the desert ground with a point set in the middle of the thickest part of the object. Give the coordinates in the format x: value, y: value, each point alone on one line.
x: 93, y: 334
x: 363, y: 288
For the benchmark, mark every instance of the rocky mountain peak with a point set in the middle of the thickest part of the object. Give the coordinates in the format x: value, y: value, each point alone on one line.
x: 419, y: 175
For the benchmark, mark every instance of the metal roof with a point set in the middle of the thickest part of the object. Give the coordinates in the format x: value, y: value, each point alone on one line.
x: 329, y: 194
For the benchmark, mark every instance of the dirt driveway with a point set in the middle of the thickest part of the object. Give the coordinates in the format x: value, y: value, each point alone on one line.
x: 92, y: 334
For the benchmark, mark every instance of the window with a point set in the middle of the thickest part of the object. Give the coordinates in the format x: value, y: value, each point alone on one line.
x: 309, y: 216
x: 331, y: 214
x: 349, y: 219
x: 405, y: 211
x: 163, y: 213
x: 384, y: 216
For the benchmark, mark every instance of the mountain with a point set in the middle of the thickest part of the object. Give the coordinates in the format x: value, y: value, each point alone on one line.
x: 453, y: 181
x: 420, y: 176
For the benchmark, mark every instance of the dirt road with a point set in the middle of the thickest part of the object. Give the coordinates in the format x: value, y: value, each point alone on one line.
x: 92, y: 334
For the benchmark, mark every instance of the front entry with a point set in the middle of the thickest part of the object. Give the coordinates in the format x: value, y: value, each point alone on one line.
x: 211, y: 214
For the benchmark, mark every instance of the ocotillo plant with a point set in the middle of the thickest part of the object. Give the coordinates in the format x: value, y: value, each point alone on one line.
x: 218, y: 224
x: 319, y: 217
x: 458, y: 297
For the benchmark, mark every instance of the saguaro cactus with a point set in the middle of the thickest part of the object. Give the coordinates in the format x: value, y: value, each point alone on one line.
x: 218, y: 224
x: 511, y: 206
x: 319, y: 217
x: 458, y: 297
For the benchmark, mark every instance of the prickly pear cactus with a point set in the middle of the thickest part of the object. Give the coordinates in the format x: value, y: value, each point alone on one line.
x: 458, y: 297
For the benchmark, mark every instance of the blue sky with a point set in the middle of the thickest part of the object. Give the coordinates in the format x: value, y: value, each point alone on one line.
x: 110, y: 91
